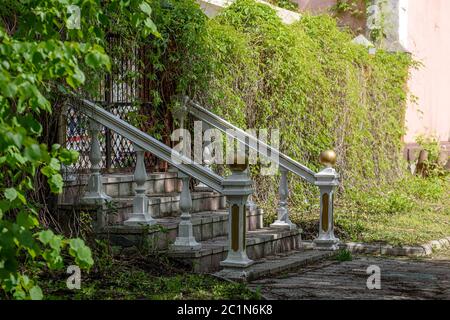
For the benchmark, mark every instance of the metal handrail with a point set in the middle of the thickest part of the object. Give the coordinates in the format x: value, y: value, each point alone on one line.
x: 150, y: 144
x: 250, y: 141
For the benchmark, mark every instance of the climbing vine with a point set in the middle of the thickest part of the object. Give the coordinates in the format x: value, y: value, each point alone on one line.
x: 307, y: 79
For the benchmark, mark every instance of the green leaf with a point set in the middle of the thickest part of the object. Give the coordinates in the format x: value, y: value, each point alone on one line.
x: 33, y: 152
x: 55, y: 147
x: 85, y: 257
x: 29, y: 122
x: 53, y: 259
x: 10, y: 194
x: 56, y: 242
x: 145, y: 7
x: 46, y: 236
x: 21, y: 197
x: 47, y: 171
x: 26, y: 220
x: 56, y: 183
x: 68, y: 157
x: 97, y: 59
x: 76, y: 244
x: 36, y: 293
x: 81, y: 253
x: 55, y: 164
x: 9, y: 90
x: 76, y: 79
x: 150, y: 24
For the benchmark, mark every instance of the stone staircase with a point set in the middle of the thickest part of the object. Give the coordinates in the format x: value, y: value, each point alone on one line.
x: 209, y: 220
x: 208, y: 229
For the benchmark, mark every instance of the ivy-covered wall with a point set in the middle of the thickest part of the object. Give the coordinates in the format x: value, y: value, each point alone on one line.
x: 306, y: 79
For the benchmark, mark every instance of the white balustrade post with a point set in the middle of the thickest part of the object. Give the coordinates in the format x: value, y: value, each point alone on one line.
x: 237, y: 188
x: 207, y: 161
x: 283, y: 221
x: 327, y: 180
x: 94, y: 193
x: 140, y: 215
x: 185, y: 239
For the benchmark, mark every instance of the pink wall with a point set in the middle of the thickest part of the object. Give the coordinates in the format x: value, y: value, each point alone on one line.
x: 428, y: 39
x: 429, y: 42
x: 315, y: 6
x: 357, y: 24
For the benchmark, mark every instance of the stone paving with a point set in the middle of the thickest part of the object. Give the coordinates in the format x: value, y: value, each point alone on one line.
x: 401, y: 278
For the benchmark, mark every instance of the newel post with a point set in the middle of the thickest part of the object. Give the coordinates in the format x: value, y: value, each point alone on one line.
x: 94, y: 193
x: 140, y: 215
x: 327, y: 180
x: 237, y: 188
x: 283, y: 221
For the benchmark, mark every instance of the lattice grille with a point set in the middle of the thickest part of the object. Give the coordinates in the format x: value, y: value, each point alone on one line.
x: 118, y: 92
x: 117, y: 151
x: 77, y: 137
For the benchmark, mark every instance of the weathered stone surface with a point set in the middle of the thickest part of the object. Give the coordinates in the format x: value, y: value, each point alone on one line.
x: 428, y: 249
x: 260, y: 243
x: 274, y: 265
x: 401, y: 278
x: 203, y: 225
x: 412, y: 251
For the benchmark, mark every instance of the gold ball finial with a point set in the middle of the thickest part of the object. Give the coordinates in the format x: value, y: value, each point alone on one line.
x: 328, y: 158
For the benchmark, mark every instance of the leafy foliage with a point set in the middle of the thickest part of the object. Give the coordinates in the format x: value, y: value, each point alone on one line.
x: 142, y: 275
x: 321, y: 90
x: 39, y: 53
x: 307, y: 79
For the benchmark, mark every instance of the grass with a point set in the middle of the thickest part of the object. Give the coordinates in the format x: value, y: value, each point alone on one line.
x: 343, y: 255
x: 409, y: 212
x: 136, y: 278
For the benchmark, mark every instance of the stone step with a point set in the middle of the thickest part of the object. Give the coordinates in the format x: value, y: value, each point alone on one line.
x: 275, y: 265
x: 121, y: 185
x: 206, y: 225
x: 124, y: 186
x: 163, y: 191
x: 261, y: 243
x: 167, y: 205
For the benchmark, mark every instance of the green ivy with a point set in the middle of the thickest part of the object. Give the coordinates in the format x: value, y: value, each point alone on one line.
x: 322, y: 91
x: 307, y: 79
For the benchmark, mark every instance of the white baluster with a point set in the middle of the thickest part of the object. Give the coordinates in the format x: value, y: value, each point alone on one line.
x: 140, y: 215
x: 94, y: 193
x: 185, y: 239
x: 283, y: 221
x: 207, y: 161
